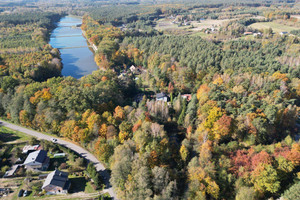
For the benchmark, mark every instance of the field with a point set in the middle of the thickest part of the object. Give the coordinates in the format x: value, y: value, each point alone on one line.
x: 10, y: 136
x: 274, y: 25
x: 195, y: 26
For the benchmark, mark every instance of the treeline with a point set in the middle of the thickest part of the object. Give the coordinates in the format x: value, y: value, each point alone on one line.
x: 25, y: 54
x: 118, y: 15
x: 43, y: 19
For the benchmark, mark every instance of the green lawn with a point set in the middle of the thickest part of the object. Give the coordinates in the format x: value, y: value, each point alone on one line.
x: 8, y: 135
x: 275, y: 26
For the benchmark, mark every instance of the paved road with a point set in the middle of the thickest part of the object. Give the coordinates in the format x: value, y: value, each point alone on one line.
x: 84, y: 153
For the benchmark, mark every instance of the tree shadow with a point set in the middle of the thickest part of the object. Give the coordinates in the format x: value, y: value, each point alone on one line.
x: 78, y: 184
x: 8, y: 137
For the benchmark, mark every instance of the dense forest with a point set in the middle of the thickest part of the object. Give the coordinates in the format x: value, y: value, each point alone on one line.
x: 25, y: 55
x: 230, y: 127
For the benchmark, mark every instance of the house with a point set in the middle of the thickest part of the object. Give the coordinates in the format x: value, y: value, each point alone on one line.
x: 188, y: 97
x: 132, y: 68
x: 30, y: 148
x: 37, y: 160
x: 283, y: 33
x: 248, y: 33
x: 162, y: 97
x: 257, y: 34
x: 57, y: 182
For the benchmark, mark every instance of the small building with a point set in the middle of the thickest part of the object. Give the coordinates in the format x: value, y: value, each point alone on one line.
x: 30, y: 148
x: 57, y: 182
x: 188, y: 97
x: 59, y: 155
x: 248, y: 33
x: 162, y: 97
x: 257, y: 34
x: 283, y: 33
x: 37, y: 160
x: 132, y: 68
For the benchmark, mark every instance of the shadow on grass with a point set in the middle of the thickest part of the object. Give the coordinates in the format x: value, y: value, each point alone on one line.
x: 78, y: 184
x: 8, y: 137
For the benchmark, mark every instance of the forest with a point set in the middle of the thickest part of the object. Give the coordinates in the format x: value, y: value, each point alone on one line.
x: 230, y: 127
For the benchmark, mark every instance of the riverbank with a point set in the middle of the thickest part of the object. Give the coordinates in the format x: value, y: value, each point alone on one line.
x: 94, y: 47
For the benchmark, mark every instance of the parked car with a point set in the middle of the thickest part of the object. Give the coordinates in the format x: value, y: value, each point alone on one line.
x: 25, y: 193
x: 54, y: 140
x: 21, y: 193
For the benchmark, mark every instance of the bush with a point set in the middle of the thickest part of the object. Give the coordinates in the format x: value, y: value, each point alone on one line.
x: 63, y: 166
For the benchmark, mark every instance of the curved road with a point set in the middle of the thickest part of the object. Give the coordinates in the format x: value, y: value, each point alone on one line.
x: 84, y: 153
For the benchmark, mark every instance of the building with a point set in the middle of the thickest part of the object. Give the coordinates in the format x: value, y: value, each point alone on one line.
x: 248, y: 33
x: 283, y: 33
x: 30, y: 148
x: 188, y: 97
x: 37, y: 160
x: 162, y: 97
x: 57, y: 182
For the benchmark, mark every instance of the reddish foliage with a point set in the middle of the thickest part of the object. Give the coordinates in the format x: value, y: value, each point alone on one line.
x: 283, y: 151
x: 261, y: 157
x: 137, y: 126
x: 224, y: 125
x: 241, y: 159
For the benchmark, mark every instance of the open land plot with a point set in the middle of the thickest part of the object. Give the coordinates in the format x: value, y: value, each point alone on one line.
x: 209, y: 23
x: 164, y: 24
x: 274, y: 25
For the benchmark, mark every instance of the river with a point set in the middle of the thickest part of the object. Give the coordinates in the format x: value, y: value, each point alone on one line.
x: 77, y: 57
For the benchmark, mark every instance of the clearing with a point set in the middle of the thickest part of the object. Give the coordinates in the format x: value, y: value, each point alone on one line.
x: 277, y: 27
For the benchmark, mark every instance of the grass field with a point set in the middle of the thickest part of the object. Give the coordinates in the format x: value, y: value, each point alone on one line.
x: 167, y: 25
x: 8, y: 135
x: 275, y: 26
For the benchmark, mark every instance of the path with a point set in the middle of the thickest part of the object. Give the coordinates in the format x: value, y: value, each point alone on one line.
x: 84, y: 153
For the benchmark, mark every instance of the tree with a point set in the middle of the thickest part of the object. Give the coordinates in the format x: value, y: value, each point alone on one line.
x: 265, y: 178
x: 293, y: 192
x: 184, y: 153
x: 246, y: 193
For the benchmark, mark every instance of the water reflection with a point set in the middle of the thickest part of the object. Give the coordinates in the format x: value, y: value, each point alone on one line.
x: 77, y: 62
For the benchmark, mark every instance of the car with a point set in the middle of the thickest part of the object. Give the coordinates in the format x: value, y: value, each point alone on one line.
x: 54, y: 140
x: 21, y: 193
x: 25, y: 193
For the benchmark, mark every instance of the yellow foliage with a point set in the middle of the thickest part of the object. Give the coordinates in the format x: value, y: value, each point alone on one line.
x: 202, y: 93
x: 281, y: 76
x: 123, y: 136
x: 46, y: 94
x: 218, y: 81
x: 103, y: 130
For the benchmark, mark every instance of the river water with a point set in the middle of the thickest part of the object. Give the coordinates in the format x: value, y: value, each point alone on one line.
x: 77, y: 57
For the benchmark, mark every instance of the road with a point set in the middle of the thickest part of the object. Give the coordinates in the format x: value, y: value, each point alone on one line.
x: 84, y: 153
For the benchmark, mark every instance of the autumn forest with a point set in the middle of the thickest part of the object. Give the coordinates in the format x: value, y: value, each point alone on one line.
x: 228, y: 124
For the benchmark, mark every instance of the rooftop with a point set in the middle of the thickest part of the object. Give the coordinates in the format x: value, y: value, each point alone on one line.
x: 57, y: 178
x: 37, y: 156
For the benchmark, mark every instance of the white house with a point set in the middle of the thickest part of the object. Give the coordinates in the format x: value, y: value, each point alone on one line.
x: 37, y: 160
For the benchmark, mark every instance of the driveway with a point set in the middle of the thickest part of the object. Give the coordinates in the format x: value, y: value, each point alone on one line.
x: 84, y: 153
